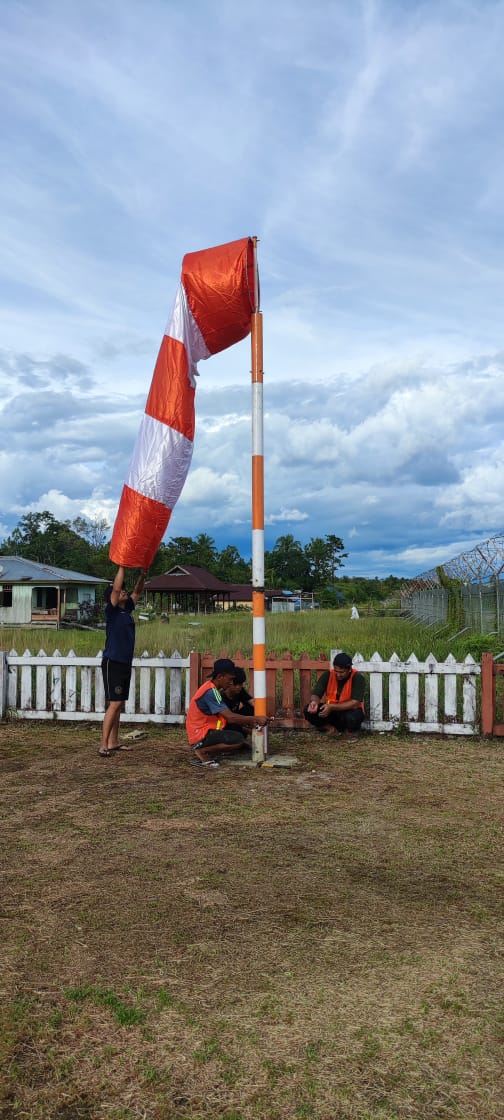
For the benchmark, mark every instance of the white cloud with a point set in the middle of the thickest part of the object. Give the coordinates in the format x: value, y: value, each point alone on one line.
x: 207, y: 485
x: 290, y: 515
x: 478, y: 498
x: 422, y: 559
x: 66, y: 509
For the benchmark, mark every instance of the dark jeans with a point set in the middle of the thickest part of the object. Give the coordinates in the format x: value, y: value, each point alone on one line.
x: 349, y: 719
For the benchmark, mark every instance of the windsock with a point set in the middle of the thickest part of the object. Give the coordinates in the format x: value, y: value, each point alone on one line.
x: 212, y: 310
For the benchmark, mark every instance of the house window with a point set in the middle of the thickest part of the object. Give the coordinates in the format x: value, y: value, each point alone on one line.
x: 46, y: 598
x: 6, y: 595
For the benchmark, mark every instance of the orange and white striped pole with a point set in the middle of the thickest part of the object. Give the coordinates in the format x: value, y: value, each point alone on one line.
x: 259, y: 735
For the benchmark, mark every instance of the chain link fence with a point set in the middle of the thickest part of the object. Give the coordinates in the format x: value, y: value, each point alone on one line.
x: 476, y: 607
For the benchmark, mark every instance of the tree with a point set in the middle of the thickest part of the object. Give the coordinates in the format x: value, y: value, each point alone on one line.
x: 289, y: 563
x: 201, y: 551
x: 318, y: 560
x: 163, y: 560
x: 324, y: 555
x: 40, y: 537
x: 231, y: 567
x: 336, y: 553
x: 206, y: 552
x: 96, y: 530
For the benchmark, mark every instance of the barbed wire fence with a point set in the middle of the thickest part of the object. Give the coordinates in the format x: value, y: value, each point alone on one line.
x: 466, y: 593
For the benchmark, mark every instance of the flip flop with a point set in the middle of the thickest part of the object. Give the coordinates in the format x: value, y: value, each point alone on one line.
x: 211, y: 765
x: 104, y: 754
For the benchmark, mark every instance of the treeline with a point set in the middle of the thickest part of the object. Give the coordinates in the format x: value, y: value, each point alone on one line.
x: 82, y: 545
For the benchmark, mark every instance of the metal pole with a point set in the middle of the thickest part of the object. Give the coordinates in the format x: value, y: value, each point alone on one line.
x: 259, y: 735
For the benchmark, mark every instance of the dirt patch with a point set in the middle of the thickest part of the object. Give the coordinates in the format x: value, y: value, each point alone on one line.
x: 245, y: 944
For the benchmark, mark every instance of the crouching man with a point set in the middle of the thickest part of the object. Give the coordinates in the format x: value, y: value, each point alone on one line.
x: 337, y: 702
x: 211, y: 726
x: 236, y: 696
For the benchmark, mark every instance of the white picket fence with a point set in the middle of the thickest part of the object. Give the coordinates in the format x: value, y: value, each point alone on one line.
x: 414, y: 687
x: 67, y: 687
x: 419, y: 696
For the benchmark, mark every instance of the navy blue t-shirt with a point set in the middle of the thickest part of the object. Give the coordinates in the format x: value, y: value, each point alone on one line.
x: 120, y: 642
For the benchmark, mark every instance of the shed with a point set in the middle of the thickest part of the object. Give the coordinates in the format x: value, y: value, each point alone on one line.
x: 186, y: 588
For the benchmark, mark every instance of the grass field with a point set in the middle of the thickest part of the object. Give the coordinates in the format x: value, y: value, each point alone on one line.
x: 324, y: 943
x: 312, y: 631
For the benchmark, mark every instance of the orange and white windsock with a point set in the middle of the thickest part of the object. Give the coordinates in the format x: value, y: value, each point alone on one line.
x: 212, y: 310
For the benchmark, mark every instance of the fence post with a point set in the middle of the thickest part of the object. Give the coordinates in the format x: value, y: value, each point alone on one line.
x: 288, y: 687
x: 487, y: 694
x: 271, y: 678
x: 305, y: 682
x: 194, y: 672
x: 3, y: 683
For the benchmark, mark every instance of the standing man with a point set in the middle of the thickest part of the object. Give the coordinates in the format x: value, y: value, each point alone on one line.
x: 118, y: 656
x: 337, y: 701
x: 208, y: 717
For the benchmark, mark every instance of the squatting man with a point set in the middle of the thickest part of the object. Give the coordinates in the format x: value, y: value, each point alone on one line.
x: 211, y: 725
x: 337, y: 701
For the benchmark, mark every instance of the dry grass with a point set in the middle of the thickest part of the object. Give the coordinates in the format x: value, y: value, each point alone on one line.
x: 245, y: 944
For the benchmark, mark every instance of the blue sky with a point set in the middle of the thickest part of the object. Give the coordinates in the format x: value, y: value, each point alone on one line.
x: 363, y: 144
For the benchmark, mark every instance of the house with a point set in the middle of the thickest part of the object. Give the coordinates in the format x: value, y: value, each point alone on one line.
x: 188, y: 589
x: 33, y: 594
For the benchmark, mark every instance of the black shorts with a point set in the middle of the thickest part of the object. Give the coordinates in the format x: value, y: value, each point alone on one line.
x: 213, y: 738
x: 116, y: 679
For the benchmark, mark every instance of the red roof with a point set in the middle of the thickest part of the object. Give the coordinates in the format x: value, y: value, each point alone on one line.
x: 186, y: 577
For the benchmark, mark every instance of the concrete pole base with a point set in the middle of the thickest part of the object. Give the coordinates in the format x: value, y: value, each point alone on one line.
x: 259, y: 745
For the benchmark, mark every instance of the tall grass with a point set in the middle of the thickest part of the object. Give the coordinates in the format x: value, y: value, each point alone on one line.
x: 315, y: 632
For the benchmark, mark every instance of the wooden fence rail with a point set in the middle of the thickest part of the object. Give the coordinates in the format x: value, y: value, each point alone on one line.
x: 419, y: 696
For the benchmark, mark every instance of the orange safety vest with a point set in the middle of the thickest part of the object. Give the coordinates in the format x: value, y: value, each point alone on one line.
x: 198, y: 722
x: 346, y: 691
